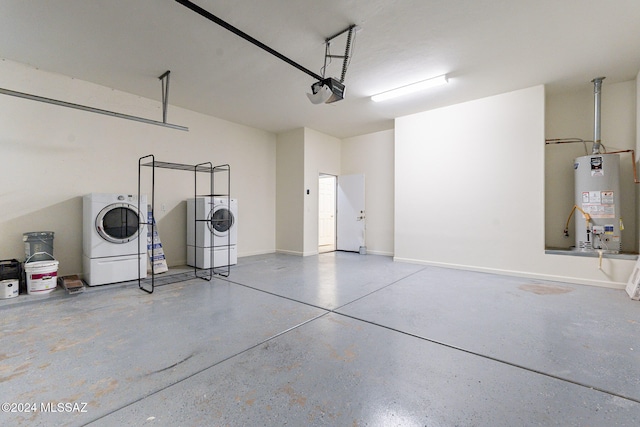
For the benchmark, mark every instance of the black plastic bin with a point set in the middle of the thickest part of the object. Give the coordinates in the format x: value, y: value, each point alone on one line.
x: 12, y: 269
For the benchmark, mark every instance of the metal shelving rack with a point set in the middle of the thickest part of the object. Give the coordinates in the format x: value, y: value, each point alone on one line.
x: 217, y: 241
x: 206, y: 167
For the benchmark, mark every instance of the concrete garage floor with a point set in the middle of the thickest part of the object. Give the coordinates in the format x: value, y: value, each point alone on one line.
x: 338, y: 339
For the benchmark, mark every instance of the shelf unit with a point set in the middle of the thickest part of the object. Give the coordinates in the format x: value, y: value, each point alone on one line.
x: 201, y: 168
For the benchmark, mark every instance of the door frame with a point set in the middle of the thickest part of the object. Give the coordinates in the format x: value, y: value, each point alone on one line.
x: 332, y: 246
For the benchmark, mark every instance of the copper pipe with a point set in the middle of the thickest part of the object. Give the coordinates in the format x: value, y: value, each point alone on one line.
x: 633, y: 160
x: 568, y: 141
x: 563, y: 141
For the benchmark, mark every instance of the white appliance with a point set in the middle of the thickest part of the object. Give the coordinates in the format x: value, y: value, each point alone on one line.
x: 111, y: 227
x: 212, y: 232
x: 597, y: 193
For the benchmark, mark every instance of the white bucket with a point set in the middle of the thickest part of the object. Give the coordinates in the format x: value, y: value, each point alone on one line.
x: 41, y: 276
x: 9, y: 288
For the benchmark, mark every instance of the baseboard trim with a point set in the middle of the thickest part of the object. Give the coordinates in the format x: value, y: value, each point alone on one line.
x: 286, y: 252
x: 383, y: 253
x: 527, y: 274
x: 246, y: 254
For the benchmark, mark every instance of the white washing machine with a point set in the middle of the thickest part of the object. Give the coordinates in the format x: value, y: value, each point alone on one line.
x: 111, y: 226
x: 212, y: 232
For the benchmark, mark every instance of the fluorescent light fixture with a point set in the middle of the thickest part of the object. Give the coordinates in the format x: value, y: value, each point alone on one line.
x: 414, y: 87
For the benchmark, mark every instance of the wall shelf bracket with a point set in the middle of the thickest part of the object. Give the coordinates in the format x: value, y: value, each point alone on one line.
x: 165, y: 98
x: 164, y: 81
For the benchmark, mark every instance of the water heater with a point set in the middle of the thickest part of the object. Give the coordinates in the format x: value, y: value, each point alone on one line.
x: 597, y: 193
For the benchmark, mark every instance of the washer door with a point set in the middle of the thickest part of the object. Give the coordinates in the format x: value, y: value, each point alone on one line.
x: 119, y: 223
x: 220, y: 220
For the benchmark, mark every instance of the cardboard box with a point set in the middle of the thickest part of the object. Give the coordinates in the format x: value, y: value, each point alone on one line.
x: 73, y: 284
x: 633, y: 285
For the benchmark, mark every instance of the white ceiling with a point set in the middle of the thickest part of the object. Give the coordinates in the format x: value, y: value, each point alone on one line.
x: 486, y: 47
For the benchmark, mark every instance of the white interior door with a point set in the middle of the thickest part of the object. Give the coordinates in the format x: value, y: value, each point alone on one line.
x: 326, y: 213
x: 351, y: 213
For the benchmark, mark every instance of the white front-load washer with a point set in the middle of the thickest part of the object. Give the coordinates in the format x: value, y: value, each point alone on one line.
x: 212, y: 231
x: 111, y: 227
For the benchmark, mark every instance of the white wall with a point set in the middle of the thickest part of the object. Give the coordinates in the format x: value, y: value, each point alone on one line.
x: 470, y: 192
x: 637, y: 148
x: 321, y: 155
x: 290, y: 192
x: 570, y: 114
x: 302, y: 155
x: 51, y: 156
x: 308, y: 153
x: 372, y: 154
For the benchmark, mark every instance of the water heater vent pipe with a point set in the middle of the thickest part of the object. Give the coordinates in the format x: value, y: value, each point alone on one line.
x: 597, y: 89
